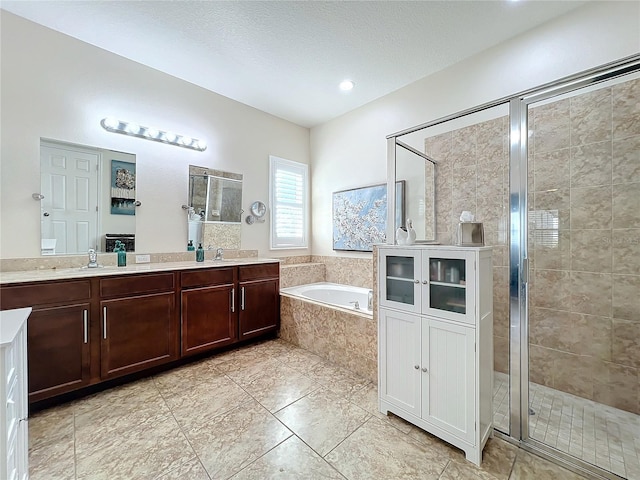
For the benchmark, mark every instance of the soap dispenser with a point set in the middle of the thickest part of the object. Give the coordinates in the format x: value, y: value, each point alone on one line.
x: 190, y: 247
x: 199, y: 253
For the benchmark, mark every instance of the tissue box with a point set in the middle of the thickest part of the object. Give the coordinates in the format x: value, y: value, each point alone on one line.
x: 470, y: 234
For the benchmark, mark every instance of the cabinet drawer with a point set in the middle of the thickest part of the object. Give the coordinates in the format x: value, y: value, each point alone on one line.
x: 134, y: 285
x: 203, y: 278
x: 44, y: 293
x: 259, y: 272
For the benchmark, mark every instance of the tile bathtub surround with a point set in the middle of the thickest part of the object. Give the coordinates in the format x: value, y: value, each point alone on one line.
x: 108, y: 259
x: 292, y: 275
x: 207, y: 421
x: 346, y: 339
x: 354, y: 271
x: 584, y: 222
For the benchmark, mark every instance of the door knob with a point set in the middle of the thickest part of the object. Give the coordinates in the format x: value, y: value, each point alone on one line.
x: 416, y: 281
x: 417, y: 367
x: 46, y: 214
x: 424, y: 369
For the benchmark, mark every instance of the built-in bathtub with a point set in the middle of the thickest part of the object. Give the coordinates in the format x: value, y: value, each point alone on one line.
x: 340, y: 296
x: 321, y: 318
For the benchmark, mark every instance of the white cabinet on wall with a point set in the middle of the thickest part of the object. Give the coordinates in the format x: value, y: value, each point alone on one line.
x: 13, y: 391
x: 435, y: 341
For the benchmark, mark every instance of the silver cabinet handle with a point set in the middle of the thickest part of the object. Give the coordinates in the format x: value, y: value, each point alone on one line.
x: 417, y: 367
x: 233, y: 300
x: 416, y: 281
x: 85, y: 325
x: 241, y: 298
x: 104, y: 322
x: 424, y: 369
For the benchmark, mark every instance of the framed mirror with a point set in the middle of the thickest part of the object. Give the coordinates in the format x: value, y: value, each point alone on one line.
x: 88, y: 198
x: 216, y: 199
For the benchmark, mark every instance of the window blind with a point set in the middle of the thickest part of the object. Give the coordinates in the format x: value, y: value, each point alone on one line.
x: 289, y: 194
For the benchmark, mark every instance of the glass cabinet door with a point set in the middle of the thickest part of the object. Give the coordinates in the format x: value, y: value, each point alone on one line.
x: 400, y: 284
x: 448, y: 293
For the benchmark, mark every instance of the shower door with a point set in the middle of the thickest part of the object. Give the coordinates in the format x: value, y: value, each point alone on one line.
x: 581, y: 255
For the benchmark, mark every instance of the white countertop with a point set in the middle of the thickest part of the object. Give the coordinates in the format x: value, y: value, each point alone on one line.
x: 10, y: 323
x: 7, y: 278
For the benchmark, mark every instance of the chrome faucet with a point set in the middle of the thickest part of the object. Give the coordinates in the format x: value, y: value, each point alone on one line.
x: 93, y: 259
x: 356, y: 305
x: 370, y: 300
x: 219, y: 252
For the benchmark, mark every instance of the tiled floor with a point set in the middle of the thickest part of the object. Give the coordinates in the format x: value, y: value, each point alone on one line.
x: 598, y: 434
x: 266, y: 411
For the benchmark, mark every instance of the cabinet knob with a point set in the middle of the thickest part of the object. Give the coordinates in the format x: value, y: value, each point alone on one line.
x: 416, y: 281
x: 417, y: 367
x: 424, y: 369
x: 424, y: 282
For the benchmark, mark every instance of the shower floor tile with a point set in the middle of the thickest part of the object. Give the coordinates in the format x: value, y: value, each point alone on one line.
x: 601, y: 435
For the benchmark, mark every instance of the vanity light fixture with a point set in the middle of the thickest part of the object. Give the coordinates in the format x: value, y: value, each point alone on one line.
x: 114, y: 125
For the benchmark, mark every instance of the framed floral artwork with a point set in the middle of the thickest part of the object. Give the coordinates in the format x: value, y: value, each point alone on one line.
x: 360, y: 216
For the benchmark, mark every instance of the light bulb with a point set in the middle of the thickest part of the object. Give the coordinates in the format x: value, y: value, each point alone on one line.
x: 111, y: 122
x: 151, y: 132
x: 202, y: 145
x: 170, y: 136
x: 346, y: 85
x: 186, y: 140
x: 133, y: 128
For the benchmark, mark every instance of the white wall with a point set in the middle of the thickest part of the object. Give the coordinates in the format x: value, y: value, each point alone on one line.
x: 56, y: 87
x: 350, y: 151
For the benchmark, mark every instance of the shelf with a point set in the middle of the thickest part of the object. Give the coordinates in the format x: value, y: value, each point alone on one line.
x: 401, y: 279
x: 456, y: 304
x: 447, y: 284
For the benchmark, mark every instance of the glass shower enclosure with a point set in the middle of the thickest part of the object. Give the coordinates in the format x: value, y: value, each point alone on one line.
x: 554, y: 175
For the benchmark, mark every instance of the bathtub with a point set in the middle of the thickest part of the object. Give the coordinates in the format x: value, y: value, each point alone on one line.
x: 320, y: 318
x: 333, y: 294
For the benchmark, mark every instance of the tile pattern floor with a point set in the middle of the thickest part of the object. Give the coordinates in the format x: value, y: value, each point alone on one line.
x: 596, y: 433
x: 266, y: 411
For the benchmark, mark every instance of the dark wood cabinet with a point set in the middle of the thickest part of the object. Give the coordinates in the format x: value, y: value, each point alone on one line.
x: 58, y: 334
x: 139, y: 328
x: 259, y: 311
x: 137, y: 333
x: 259, y: 308
x: 208, y: 318
x: 85, y: 331
x: 59, y: 350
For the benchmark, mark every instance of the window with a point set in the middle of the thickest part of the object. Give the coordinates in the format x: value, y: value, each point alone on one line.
x: 289, y: 205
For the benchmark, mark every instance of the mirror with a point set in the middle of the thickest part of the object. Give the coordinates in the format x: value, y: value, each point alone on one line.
x: 215, y: 207
x: 418, y: 174
x: 87, y: 198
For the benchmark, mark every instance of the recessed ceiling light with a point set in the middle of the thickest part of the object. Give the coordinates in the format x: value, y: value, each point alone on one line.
x: 346, y: 85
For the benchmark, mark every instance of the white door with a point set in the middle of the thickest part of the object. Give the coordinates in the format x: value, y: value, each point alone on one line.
x: 69, y: 183
x: 448, y: 396
x: 400, y: 360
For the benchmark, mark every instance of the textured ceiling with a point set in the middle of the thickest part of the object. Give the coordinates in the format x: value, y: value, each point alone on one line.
x: 287, y: 58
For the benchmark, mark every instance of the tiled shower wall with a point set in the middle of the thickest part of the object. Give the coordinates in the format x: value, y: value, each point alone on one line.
x: 584, y: 244
x: 473, y: 174
x: 584, y: 239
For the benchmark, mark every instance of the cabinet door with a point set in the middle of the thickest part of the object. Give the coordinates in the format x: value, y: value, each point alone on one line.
x: 208, y: 318
x: 449, y: 290
x: 259, y: 308
x: 137, y: 333
x: 400, y: 276
x: 58, y: 350
x: 399, y: 362
x: 448, y: 397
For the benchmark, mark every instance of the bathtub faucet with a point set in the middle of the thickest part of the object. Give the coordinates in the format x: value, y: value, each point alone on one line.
x: 356, y: 305
x: 370, y: 300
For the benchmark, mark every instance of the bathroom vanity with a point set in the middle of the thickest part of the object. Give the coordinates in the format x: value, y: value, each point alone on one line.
x: 93, y: 325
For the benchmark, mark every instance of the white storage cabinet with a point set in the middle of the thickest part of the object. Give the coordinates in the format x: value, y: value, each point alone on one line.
x: 13, y: 391
x: 435, y: 341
